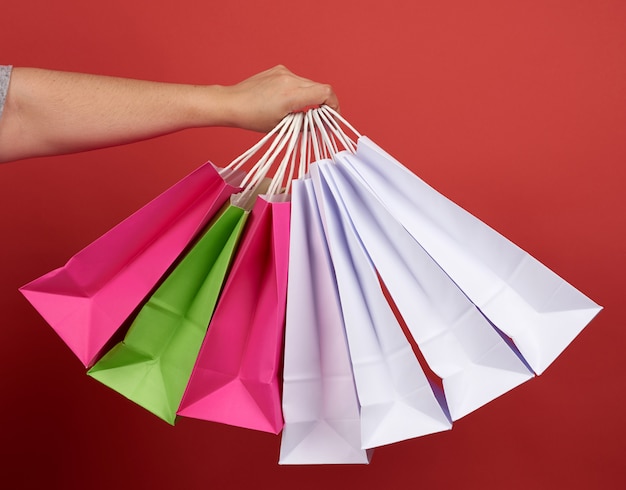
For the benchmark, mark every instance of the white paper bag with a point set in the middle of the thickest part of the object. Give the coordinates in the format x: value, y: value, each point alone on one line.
x: 475, y: 363
x: 397, y: 401
x: 532, y: 305
x: 320, y: 405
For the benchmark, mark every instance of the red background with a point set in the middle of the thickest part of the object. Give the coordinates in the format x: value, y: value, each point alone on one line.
x: 516, y: 110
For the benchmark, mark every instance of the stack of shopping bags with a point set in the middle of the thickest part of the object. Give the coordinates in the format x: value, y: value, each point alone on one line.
x: 293, y: 297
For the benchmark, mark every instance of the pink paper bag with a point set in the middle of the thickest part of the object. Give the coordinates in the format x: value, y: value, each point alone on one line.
x: 88, y: 299
x: 236, y: 376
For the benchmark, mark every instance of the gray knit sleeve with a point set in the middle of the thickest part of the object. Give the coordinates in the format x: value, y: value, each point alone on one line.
x: 5, y: 76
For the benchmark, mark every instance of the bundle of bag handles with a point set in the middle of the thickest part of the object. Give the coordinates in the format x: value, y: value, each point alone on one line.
x: 301, y: 138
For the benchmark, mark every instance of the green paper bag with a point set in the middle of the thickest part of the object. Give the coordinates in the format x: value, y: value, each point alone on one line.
x: 153, y: 363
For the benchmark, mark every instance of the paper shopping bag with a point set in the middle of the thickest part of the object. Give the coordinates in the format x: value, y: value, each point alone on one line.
x: 236, y: 377
x: 397, y: 400
x: 475, y: 363
x: 88, y: 299
x: 532, y: 305
x: 320, y: 405
x: 152, y: 365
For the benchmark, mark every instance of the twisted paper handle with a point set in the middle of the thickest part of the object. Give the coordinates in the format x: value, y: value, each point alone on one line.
x: 301, y: 137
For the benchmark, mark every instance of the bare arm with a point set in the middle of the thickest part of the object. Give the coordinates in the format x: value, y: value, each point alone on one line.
x: 50, y: 112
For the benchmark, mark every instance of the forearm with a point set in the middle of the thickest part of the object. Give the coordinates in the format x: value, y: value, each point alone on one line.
x: 50, y: 112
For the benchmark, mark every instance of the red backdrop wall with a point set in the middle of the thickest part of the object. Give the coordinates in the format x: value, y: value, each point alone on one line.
x: 516, y: 110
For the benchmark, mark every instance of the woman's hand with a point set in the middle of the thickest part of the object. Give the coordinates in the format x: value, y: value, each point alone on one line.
x: 260, y: 102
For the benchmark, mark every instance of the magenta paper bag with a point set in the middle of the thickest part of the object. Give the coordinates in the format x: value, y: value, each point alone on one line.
x: 87, y: 299
x: 236, y: 376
